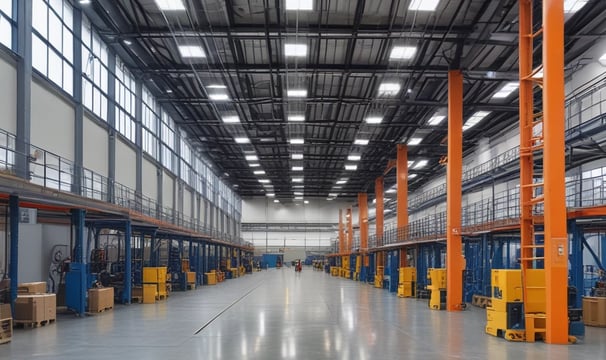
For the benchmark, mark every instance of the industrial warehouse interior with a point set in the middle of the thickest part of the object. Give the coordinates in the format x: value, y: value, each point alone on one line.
x: 303, y: 179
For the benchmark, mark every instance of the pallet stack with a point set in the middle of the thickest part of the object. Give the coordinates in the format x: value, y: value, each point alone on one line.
x: 33, y: 306
x: 155, y: 279
x: 408, y: 282
x: 6, y: 323
x: 100, y: 299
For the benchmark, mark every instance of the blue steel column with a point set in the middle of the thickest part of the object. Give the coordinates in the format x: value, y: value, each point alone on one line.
x: 78, y: 223
x: 111, y: 121
x: 576, y: 260
x: 13, y: 205
x: 79, y: 108
x: 128, y: 256
x: 24, y: 86
x: 152, y: 252
x: 139, y: 143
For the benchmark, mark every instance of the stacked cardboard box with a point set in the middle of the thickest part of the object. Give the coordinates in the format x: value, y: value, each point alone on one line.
x: 35, y: 308
x: 156, y: 276
x: 100, y: 299
x: 594, y: 311
x: 32, y: 288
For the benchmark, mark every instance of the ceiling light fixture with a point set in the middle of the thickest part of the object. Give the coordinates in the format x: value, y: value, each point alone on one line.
x: 297, y: 93
x: 218, y: 97
x: 297, y: 179
x: 436, y: 120
x: 402, y: 52
x: 251, y: 157
x: 296, y: 117
x: 216, y: 86
x: 297, y: 141
x: 295, y: 50
x: 298, y: 193
x: 254, y: 165
x: 230, y: 119
x: 264, y: 181
x: 305, y: 5
x: 306, y: 202
x: 421, y: 164
x: 270, y: 194
x: 374, y: 119
x: 191, y: 51
x: 602, y: 59
x: 297, y: 168
x: 276, y: 201
x: 354, y: 157
x: 362, y: 142
x: 414, y: 141
x: 391, y: 191
x: 506, y: 90
x: 389, y: 89
x: 475, y: 119
x: 333, y: 195
x: 170, y: 5
x: 298, y: 197
x: 128, y: 42
x: 423, y: 5
x: 351, y: 167
x: 410, y: 162
x: 259, y: 172
x: 412, y: 176
x: 242, y: 140
x: 341, y: 182
x: 84, y: 2
x: 297, y: 156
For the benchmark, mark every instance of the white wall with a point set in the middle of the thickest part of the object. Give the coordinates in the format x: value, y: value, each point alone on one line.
x: 8, y: 96
x: 95, y: 140
x: 260, y: 210
x: 126, y: 160
x: 187, y: 208
x: 52, y: 122
x: 168, y: 189
x: 150, y: 179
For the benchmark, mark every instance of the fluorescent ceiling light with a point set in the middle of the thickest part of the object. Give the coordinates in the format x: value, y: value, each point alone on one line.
x: 301, y: 93
x: 374, y: 119
x: 572, y: 6
x: 297, y: 179
x: 389, y: 89
x: 410, y: 162
x: 84, y: 2
x: 219, y: 97
x: 341, y: 182
x: 242, y: 140
x: 421, y: 164
x: 170, y: 5
x: 298, y: 197
x: 351, y: 167
x: 297, y: 168
x: 276, y: 201
x: 297, y: 156
x: 306, y: 202
x: 298, y: 193
x: 264, y: 181
x: 251, y: 157
x: 230, y: 119
x: 391, y: 191
x: 254, y: 165
x: 296, y: 117
x: 298, y: 50
x: 402, y: 52
x: 298, y: 186
x: 506, y: 90
x: 270, y: 194
x: 412, y: 176
x: 337, y: 187
x: 297, y: 141
x: 354, y: 157
x: 329, y: 199
x: 414, y: 141
x: 259, y: 172
x: 423, y: 5
x: 300, y: 5
x: 436, y: 120
x: 475, y: 119
x: 333, y: 195
x: 361, y: 141
x: 191, y: 51
x: 602, y: 60
x: 216, y: 86
x: 128, y: 42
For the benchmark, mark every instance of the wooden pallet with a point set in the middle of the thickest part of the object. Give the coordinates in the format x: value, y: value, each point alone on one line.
x: 98, y: 311
x: 191, y: 286
x: 160, y: 297
x: 6, y: 330
x: 32, y: 324
x: 136, y: 299
x: 481, y: 301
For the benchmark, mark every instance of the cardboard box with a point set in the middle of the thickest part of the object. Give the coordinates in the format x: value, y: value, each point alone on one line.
x: 6, y: 330
x: 191, y: 277
x: 32, y: 288
x: 594, y: 311
x: 5, y: 311
x: 154, y: 275
x: 211, y: 278
x: 36, y: 308
x: 149, y: 293
x: 100, y: 299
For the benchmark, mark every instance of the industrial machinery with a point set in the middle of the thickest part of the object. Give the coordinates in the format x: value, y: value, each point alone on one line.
x: 505, y: 316
x: 379, y: 277
x: 407, y: 282
x: 436, y: 284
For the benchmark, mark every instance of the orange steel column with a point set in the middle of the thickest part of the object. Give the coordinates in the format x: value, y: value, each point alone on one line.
x: 379, y: 205
x: 556, y: 236
x: 454, y: 256
x: 402, y: 189
x: 341, y: 233
x: 349, y: 230
x: 363, y: 223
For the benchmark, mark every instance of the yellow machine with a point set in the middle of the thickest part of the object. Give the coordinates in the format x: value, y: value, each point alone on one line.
x: 437, y: 287
x: 379, y: 277
x: 408, y: 282
x: 505, y: 317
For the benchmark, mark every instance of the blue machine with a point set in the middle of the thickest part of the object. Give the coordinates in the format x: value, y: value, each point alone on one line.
x: 77, y: 282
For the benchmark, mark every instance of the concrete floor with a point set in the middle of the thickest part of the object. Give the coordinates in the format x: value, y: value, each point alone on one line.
x: 277, y: 314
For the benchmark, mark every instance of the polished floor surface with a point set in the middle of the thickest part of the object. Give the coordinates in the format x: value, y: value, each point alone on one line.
x: 277, y: 314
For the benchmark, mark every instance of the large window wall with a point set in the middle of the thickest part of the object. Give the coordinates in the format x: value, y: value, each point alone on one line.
x: 53, y: 45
